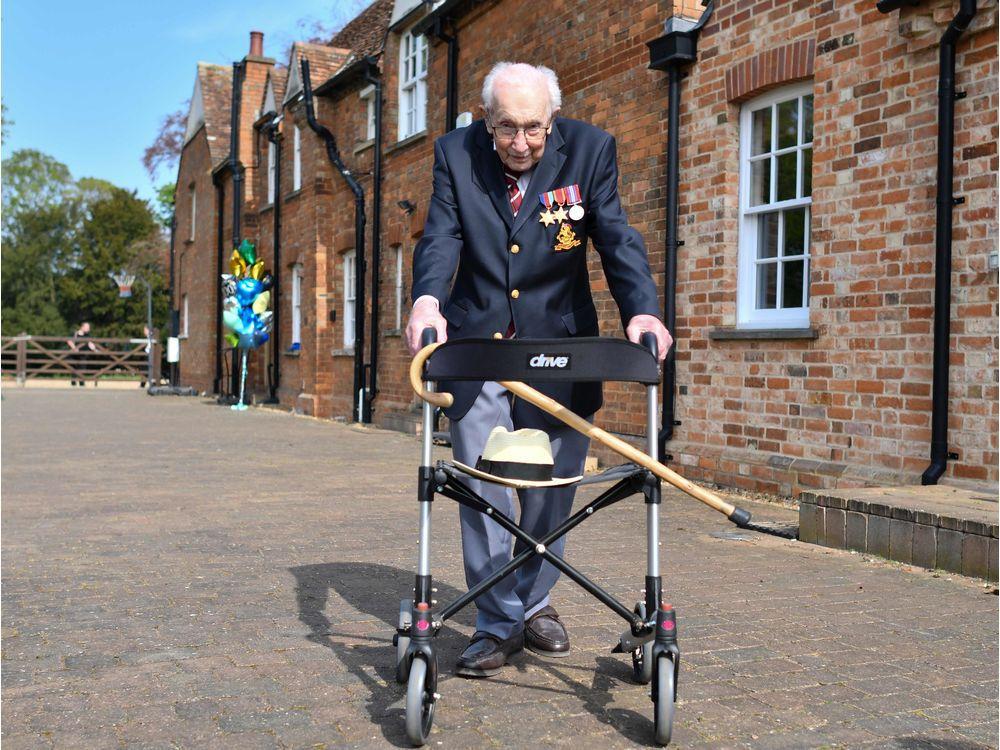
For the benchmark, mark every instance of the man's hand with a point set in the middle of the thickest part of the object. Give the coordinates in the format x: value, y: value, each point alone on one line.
x: 641, y: 324
x: 425, y: 314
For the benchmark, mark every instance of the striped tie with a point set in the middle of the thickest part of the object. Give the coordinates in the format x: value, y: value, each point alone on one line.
x: 513, y: 191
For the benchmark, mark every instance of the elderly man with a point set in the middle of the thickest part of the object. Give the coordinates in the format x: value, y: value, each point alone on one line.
x: 516, y: 197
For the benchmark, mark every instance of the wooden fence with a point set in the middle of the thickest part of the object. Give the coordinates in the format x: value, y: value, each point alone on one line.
x: 25, y: 357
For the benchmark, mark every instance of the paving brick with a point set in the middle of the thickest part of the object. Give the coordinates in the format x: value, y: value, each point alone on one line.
x: 949, y: 550
x: 878, y: 535
x: 856, y: 531
x: 263, y: 617
x: 924, y: 545
x: 834, y: 528
x: 975, y: 555
x: 901, y: 540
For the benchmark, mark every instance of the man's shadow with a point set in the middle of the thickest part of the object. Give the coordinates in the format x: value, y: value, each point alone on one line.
x: 375, y: 590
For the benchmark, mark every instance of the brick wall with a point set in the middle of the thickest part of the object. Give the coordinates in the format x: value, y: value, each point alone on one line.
x: 849, y: 406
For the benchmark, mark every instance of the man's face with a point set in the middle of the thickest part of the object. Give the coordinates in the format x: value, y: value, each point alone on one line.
x: 85, y: 328
x: 520, y: 105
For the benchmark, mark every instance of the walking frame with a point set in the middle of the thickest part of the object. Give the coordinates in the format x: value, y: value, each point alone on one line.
x: 652, y: 635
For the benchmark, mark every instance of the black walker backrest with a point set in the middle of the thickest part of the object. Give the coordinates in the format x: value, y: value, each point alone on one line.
x: 575, y: 360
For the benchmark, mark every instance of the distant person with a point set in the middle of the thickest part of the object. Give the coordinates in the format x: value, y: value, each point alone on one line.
x: 79, y: 344
x: 148, y: 335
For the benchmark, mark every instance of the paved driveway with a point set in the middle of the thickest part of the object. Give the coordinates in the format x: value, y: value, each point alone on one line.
x: 179, y: 575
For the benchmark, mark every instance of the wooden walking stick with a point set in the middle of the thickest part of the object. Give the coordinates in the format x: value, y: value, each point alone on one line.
x: 737, y: 515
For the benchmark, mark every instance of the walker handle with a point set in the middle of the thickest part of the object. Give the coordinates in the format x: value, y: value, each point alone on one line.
x: 428, y: 338
x: 648, y: 341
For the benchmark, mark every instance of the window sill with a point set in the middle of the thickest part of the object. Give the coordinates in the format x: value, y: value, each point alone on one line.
x: 291, y: 352
x: 189, y: 241
x: 363, y: 146
x: 393, y: 333
x: 342, y: 353
x: 182, y: 338
x: 407, y: 142
x: 762, y: 334
x: 293, y: 195
x: 266, y: 207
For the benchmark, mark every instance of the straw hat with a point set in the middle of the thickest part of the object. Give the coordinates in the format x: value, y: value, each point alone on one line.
x: 522, y: 458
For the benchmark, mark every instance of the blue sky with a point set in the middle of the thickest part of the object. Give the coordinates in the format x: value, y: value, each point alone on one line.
x: 89, y: 82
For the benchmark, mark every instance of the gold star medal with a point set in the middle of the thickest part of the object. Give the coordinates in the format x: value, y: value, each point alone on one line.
x: 546, y: 217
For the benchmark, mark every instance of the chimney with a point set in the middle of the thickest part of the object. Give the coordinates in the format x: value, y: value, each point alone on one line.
x: 256, y: 44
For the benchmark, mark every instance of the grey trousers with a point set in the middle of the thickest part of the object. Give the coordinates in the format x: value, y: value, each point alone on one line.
x: 487, y: 547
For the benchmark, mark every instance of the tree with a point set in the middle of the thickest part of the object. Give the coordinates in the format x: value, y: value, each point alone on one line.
x: 41, y: 213
x: 119, y: 231
x: 165, y: 200
x: 165, y: 150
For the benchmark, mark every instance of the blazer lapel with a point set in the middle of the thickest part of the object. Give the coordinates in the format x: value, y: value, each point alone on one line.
x: 545, y: 172
x: 487, y: 171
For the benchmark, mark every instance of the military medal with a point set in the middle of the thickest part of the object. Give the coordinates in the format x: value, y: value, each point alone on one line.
x: 576, y: 202
x: 546, y: 217
x: 560, y: 214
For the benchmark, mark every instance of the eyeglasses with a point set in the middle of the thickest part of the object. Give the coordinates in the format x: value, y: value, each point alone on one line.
x: 509, y: 132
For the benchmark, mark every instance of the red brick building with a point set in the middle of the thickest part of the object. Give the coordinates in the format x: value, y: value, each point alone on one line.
x: 806, y: 215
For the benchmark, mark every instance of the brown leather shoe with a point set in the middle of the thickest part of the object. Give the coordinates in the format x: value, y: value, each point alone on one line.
x: 486, y: 654
x: 545, y: 635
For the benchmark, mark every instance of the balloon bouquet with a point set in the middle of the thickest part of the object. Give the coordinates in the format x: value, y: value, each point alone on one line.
x: 247, y: 294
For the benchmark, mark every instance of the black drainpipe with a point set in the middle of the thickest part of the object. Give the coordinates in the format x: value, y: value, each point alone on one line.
x: 333, y: 154
x: 174, y: 315
x: 236, y: 170
x: 669, y: 52
x: 373, y: 77
x: 271, y: 130
x: 220, y: 249
x: 451, y: 88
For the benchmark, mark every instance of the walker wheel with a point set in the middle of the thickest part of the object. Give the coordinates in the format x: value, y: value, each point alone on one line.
x: 419, y: 702
x: 402, y: 642
x: 663, y: 700
x: 642, y: 657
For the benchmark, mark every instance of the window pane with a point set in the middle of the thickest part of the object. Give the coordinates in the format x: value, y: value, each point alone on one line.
x: 767, y: 236
x: 791, y: 287
x: 787, y: 166
x: 767, y: 286
x: 760, y: 182
x: 788, y: 123
x: 807, y: 172
x: 807, y: 119
x: 760, y: 141
x: 795, y: 230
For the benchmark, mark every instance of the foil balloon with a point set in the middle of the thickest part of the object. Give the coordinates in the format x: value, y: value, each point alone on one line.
x: 244, y: 310
x: 248, y: 252
x: 260, y: 304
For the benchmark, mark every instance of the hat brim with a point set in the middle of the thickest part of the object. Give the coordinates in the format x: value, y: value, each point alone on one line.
x: 516, y: 483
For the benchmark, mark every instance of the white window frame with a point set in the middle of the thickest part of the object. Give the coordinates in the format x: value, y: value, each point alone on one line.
x: 350, y: 270
x: 194, y: 212
x: 271, y: 166
x: 399, y: 287
x: 184, y: 316
x: 297, y: 277
x: 296, y: 158
x: 413, y: 54
x: 748, y: 315
x: 367, y: 95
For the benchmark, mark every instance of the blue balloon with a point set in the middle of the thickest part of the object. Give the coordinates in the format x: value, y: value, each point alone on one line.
x: 247, y: 290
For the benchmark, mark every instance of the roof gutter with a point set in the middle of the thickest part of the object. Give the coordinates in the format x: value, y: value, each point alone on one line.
x: 672, y: 51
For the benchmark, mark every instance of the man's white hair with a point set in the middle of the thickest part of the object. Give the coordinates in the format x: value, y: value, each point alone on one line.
x: 521, y: 72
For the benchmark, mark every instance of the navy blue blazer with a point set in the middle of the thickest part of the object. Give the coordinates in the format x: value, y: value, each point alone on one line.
x: 472, y: 236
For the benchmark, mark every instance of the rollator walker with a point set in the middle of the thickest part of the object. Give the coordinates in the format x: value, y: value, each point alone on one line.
x: 651, y: 637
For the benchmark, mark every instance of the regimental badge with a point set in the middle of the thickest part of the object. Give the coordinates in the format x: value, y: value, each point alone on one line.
x: 566, y: 239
